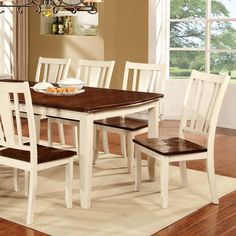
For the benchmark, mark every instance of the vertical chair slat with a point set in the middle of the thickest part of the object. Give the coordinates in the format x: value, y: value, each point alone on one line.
x: 60, y: 71
x: 134, y: 80
x: 86, y: 74
x: 152, y: 81
x: 45, y: 72
x: 211, y: 107
x: 103, y: 73
x: 7, y: 119
x: 18, y: 119
x: 196, y: 104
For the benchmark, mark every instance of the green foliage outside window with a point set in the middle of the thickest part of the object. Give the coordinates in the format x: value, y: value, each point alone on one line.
x: 192, y: 34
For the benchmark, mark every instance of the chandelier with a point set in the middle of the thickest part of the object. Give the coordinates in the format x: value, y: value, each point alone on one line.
x: 50, y: 7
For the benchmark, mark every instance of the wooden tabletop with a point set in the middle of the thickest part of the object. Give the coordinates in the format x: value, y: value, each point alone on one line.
x: 93, y: 99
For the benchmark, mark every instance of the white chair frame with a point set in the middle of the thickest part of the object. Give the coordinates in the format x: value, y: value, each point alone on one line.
x: 94, y: 74
x: 202, y: 103
x: 11, y: 137
x: 51, y: 70
x: 146, y: 78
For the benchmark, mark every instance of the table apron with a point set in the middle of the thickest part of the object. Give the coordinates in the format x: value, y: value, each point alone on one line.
x: 75, y: 115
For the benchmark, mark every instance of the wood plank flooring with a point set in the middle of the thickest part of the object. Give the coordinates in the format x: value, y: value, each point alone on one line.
x: 210, y: 220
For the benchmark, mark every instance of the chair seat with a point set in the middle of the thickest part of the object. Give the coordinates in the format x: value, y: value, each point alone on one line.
x: 45, y: 154
x: 171, y: 146
x: 126, y: 123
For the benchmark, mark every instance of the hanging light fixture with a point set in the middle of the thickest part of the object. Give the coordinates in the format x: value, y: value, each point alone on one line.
x: 49, y: 7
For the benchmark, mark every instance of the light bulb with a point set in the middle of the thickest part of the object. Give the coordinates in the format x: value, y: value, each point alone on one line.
x: 47, y: 11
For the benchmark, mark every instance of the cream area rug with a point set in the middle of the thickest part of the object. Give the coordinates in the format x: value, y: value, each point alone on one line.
x: 116, y: 208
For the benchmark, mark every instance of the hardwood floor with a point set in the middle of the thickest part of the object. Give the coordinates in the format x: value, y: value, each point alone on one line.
x: 209, y: 220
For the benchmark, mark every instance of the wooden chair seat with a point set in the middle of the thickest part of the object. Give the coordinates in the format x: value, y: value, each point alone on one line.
x: 170, y: 146
x: 45, y: 154
x: 126, y: 123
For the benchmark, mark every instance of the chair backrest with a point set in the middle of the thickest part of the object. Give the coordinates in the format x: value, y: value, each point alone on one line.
x: 11, y: 120
x: 202, y: 103
x: 52, y: 69
x: 95, y: 73
x: 144, y: 77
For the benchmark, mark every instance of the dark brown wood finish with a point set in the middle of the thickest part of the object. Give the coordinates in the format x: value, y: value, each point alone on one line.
x: 45, y: 154
x: 93, y: 99
x: 211, y: 220
x: 170, y: 146
x: 125, y: 123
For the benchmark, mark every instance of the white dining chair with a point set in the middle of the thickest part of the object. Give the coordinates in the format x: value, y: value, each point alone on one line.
x: 51, y: 70
x: 141, y: 77
x: 94, y: 74
x: 29, y: 156
x: 202, y: 103
x: 48, y: 70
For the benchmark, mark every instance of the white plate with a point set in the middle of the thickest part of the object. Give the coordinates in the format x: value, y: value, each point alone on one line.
x: 42, y: 85
x: 61, y: 94
x: 37, y: 90
x: 71, y: 82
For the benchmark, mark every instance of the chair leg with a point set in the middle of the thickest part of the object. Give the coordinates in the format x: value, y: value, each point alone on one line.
x: 130, y: 138
x: 212, y: 181
x: 151, y: 168
x: 123, y: 145
x: 105, y: 142
x: 164, y: 181
x: 49, y: 132
x: 61, y: 134
x: 76, y: 138
x: 37, y: 119
x: 26, y: 186
x: 68, y: 187
x: 95, y: 144
x: 16, y: 180
x: 31, y: 197
x: 183, y: 173
x: 138, y: 172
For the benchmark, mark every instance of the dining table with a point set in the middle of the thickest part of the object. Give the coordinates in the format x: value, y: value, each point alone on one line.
x: 88, y: 106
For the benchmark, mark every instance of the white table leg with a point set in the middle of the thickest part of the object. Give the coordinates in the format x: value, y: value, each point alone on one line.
x: 86, y: 159
x: 153, y: 132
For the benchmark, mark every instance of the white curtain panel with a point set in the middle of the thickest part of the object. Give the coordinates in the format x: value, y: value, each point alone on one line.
x: 20, y: 43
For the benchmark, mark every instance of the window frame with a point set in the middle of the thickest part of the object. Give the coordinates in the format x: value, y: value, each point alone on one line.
x: 162, y: 35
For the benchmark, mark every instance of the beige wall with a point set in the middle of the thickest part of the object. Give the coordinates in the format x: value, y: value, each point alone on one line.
x: 126, y: 34
x: 123, y: 26
x: 70, y: 46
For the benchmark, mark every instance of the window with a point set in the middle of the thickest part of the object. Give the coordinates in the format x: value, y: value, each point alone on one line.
x: 6, y: 29
x: 201, y: 35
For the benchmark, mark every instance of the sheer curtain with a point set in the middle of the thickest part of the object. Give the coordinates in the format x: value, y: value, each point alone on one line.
x: 20, y: 44
x: 6, y: 24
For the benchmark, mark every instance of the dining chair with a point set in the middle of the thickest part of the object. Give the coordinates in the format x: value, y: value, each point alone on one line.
x: 202, y: 103
x: 94, y: 74
x: 137, y: 77
x: 48, y: 70
x: 51, y: 70
x: 29, y: 156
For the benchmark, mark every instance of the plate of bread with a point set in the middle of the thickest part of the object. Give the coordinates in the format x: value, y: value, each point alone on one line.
x: 66, y: 91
